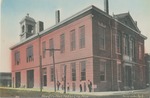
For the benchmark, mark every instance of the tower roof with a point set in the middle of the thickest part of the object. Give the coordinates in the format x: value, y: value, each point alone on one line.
x: 27, y: 18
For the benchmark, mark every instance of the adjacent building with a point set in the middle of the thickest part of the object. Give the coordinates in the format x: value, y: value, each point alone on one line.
x: 107, y: 50
x: 5, y: 79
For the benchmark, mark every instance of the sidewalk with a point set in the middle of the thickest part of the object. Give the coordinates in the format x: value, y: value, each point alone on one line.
x: 106, y: 93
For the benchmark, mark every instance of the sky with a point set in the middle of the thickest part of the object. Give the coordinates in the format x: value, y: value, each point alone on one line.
x: 12, y: 11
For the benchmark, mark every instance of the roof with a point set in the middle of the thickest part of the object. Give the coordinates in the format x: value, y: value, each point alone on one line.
x: 58, y: 24
x: 92, y: 7
x: 123, y: 16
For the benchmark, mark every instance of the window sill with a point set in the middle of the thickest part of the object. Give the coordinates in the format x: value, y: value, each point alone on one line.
x: 102, y: 49
x: 103, y: 81
x: 118, y: 53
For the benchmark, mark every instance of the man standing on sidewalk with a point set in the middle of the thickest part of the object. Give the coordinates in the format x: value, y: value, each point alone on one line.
x: 80, y: 86
x: 90, y: 85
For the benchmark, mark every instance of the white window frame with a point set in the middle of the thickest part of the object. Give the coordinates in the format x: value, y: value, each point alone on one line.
x: 72, y: 40
x: 82, y: 36
x: 102, y: 36
x: 105, y: 70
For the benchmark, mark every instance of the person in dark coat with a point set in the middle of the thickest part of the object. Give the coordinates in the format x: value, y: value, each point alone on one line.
x: 68, y: 87
x: 90, y: 85
x: 58, y: 85
x: 80, y: 87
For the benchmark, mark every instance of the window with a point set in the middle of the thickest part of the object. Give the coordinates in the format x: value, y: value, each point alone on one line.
x: 29, y: 51
x: 51, y: 46
x: 62, y: 68
x: 118, y: 43
x: 73, y: 87
x: 72, y: 40
x: 102, y: 70
x: 83, y: 70
x: 30, y: 28
x: 119, y: 71
x: 73, y: 68
x: 17, y: 58
x: 62, y: 43
x: 126, y: 45
x: 141, y: 73
x: 101, y: 35
x: 82, y: 37
x: 52, y: 73
x: 44, y: 72
x: 43, y: 48
x: 132, y: 47
x: 23, y: 29
x: 140, y: 51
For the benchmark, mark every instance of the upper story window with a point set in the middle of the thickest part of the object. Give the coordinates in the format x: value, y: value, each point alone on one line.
x: 83, y: 70
x: 132, y: 47
x: 43, y: 48
x: 17, y: 58
x: 102, y: 70
x: 118, y: 39
x: 51, y: 46
x: 62, y: 43
x: 82, y: 36
x: 73, y: 69
x: 101, y: 37
x: 126, y: 44
x: 29, y: 51
x: 72, y: 40
x: 140, y: 51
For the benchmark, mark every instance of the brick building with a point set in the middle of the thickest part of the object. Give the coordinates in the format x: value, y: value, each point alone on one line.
x: 107, y: 50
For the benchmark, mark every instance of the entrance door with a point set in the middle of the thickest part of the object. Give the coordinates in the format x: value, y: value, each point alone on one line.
x: 30, y: 78
x: 18, y: 79
x: 128, y: 76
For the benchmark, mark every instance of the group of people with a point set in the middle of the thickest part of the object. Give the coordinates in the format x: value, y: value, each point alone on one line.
x: 89, y: 86
x: 62, y: 86
x: 81, y: 86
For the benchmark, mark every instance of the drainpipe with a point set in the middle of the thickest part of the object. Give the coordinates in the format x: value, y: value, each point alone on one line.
x: 111, y: 61
x: 40, y: 65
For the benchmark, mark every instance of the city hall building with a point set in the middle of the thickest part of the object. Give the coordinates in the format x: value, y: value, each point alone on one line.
x: 93, y: 45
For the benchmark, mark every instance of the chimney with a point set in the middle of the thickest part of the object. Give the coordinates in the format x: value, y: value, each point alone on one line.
x: 135, y: 23
x: 39, y: 26
x: 57, y: 16
x: 106, y: 6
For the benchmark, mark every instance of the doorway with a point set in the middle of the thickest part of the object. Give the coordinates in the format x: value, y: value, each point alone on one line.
x: 18, y: 79
x: 128, y: 76
x: 30, y: 78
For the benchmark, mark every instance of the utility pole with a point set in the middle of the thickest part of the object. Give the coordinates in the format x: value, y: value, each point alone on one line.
x: 53, y: 50
x: 64, y: 79
x: 41, y: 83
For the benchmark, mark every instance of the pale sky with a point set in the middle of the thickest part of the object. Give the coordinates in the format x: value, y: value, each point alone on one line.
x: 12, y: 11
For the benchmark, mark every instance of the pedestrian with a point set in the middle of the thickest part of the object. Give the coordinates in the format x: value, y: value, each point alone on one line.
x: 62, y: 86
x: 80, y: 87
x: 84, y: 86
x: 68, y: 87
x: 90, y: 85
x: 58, y: 85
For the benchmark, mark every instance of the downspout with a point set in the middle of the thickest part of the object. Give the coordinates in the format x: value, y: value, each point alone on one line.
x: 40, y: 64
x: 111, y: 63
